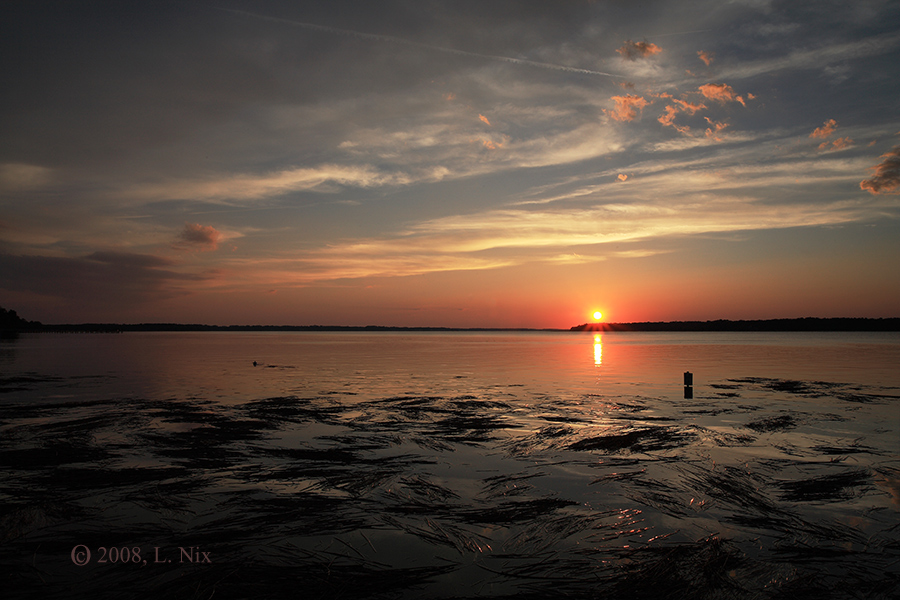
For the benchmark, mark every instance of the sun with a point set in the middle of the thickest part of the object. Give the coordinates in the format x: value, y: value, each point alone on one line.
x: 598, y: 315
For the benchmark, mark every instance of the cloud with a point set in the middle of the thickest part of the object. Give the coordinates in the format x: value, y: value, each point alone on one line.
x: 706, y: 57
x: 634, y: 50
x: 713, y: 132
x: 668, y: 118
x: 627, y: 107
x: 825, y: 130
x: 440, y: 149
x: 413, y: 44
x: 622, y: 177
x: 720, y: 92
x: 21, y: 176
x: 484, y: 119
x: 101, y: 283
x: 513, y: 236
x: 130, y: 260
x: 199, y: 237
x: 886, y: 178
x: 838, y: 144
x: 688, y: 107
x: 818, y: 57
x: 321, y: 178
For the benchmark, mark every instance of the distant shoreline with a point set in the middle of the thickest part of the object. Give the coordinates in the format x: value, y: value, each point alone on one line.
x: 802, y: 324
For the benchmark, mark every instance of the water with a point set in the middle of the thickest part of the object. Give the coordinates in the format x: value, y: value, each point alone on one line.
x: 451, y: 464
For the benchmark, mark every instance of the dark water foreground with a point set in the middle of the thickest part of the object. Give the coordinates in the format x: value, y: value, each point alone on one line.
x: 495, y: 493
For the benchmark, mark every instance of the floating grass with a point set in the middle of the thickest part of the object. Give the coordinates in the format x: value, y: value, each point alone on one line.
x: 832, y: 487
x: 637, y: 439
x: 458, y: 495
x: 777, y: 423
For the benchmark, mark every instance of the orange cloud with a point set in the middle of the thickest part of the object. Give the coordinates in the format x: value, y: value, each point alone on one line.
x: 841, y: 143
x: 622, y: 176
x: 714, y: 134
x: 706, y: 57
x: 825, y: 130
x: 720, y: 92
x: 484, y: 119
x: 688, y: 107
x: 632, y: 50
x: 838, y: 144
x: 668, y: 119
x: 199, y: 237
x: 627, y: 107
x: 887, y: 174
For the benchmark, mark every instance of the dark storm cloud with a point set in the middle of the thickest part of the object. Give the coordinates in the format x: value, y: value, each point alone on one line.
x: 104, y: 278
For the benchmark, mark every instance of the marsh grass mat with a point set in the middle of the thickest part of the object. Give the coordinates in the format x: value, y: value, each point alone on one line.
x: 494, y: 493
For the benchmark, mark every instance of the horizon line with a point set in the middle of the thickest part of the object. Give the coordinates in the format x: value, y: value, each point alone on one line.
x: 777, y: 324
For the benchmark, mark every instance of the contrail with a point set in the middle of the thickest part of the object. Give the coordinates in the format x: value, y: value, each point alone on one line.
x: 396, y: 40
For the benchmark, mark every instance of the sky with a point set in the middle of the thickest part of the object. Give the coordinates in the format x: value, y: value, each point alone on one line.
x: 449, y: 163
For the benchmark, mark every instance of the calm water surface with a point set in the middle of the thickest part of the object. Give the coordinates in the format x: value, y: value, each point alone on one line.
x: 217, y: 364
x: 457, y: 464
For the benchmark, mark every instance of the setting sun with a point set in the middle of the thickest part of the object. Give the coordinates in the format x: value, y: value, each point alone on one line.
x: 598, y: 315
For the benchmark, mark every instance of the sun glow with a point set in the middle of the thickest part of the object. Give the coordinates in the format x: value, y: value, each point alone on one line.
x: 598, y: 315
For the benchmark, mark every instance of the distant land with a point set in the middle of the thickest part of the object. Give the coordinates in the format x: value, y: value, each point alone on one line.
x: 802, y: 324
x: 11, y: 322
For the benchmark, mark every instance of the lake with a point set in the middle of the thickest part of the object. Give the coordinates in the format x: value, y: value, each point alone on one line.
x: 450, y: 465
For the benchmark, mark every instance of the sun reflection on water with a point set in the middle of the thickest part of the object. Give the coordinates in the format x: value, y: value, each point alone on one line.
x: 598, y: 350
